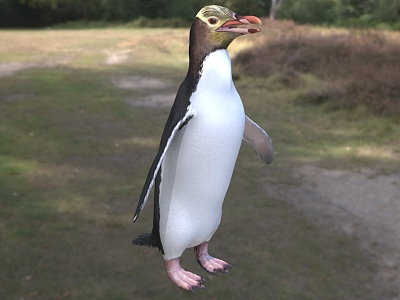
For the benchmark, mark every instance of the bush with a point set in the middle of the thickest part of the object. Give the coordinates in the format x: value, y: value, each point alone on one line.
x: 140, y: 22
x: 358, y: 67
x: 309, y: 11
x: 82, y: 24
x: 158, y: 22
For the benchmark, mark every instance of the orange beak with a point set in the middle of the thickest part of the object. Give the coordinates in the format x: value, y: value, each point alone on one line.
x: 231, y: 26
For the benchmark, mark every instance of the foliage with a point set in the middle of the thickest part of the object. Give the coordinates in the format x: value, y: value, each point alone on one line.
x: 356, y: 13
x: 141, y: 22
x: 309, y: 11
x: 158, y: 23
x: 353, y: 13
x: 25, y: 13
x: 357, y: 67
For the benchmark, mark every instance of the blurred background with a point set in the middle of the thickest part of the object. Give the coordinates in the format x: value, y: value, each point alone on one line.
x: 39, y: 13
x: 85, y: 89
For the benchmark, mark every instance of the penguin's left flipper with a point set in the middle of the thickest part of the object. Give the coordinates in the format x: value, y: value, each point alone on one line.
x: 260, y: 140
x: 176, y: 121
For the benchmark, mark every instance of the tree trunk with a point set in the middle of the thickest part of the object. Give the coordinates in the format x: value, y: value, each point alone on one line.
x: 275, y: 5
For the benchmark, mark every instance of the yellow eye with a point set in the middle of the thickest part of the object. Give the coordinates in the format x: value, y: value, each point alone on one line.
x: 212, y: 21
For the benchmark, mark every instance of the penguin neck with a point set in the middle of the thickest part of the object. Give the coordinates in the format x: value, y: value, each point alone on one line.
x: 217, y: 71
x: 200, y: 47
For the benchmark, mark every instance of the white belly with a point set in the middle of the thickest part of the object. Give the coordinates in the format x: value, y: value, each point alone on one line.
x: 198, y: 166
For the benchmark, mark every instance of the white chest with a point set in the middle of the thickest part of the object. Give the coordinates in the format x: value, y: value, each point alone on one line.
x: 217, y: 104
x: 215, y: 88
x: 198, y: 166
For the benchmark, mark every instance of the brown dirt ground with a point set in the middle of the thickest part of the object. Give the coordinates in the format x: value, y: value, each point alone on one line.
x: 10, y: 68
x: 158, y: 93
x: 361, y: 203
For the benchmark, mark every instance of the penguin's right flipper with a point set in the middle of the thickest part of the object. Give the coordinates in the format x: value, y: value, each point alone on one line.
x: 260, y: 140
x: 174, y: 123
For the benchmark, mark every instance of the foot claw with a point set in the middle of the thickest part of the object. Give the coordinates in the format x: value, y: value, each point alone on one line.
x: 227, y: 266
x: 201, y: 281
x: 200, y: 287
x: 223, y: 271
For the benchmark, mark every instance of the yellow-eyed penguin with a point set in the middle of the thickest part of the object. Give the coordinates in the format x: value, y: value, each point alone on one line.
x: 198, y: 149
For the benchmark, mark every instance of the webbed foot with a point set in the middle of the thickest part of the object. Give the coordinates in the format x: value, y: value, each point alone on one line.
x: 184, y: 279
x: 211, y: 264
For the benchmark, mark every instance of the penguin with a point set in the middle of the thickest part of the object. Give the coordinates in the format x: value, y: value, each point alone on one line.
x: 198, y: 150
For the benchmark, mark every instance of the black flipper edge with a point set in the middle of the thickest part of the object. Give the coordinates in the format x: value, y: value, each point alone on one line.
x: 190, y: 112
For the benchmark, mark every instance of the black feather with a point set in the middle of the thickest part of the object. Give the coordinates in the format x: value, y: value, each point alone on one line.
x: 198, y: 51
x: 144, y: 240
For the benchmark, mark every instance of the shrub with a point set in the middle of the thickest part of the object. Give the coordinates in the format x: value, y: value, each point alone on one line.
x: 158, y: 22
x: 358, y: 67
x: 82, y: 24
x: 309, y: 11
x: 141, y: 22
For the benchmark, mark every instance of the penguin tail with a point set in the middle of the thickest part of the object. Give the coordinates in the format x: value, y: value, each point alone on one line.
x: 145, y: 240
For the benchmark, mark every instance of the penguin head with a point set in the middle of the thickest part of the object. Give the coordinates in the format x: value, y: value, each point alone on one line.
x: 222, y: 24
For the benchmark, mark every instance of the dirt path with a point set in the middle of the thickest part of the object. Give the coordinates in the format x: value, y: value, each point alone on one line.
x: 157, y: 93
x: 361, y: 203
x: 10, y: 68
x: 113, y: 57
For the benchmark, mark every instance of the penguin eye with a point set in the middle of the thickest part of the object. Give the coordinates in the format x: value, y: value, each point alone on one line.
x: 212, y: 21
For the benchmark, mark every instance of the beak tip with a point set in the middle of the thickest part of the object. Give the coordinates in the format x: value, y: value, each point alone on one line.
x: 253, y: 19
x: 258, y: 21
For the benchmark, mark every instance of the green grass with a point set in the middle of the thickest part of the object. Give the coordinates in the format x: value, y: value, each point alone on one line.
x: 74, y: 155
x: 141, y: 22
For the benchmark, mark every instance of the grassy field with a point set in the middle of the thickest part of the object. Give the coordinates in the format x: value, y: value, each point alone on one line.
x: 75, y: 149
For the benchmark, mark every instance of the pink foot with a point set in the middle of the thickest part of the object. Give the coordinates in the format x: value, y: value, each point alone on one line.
x: 184, y: 279
x: 210, y: 264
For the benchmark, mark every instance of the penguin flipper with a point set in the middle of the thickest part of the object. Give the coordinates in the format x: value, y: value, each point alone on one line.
x: 174, y: 123
x: 260, y: 140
